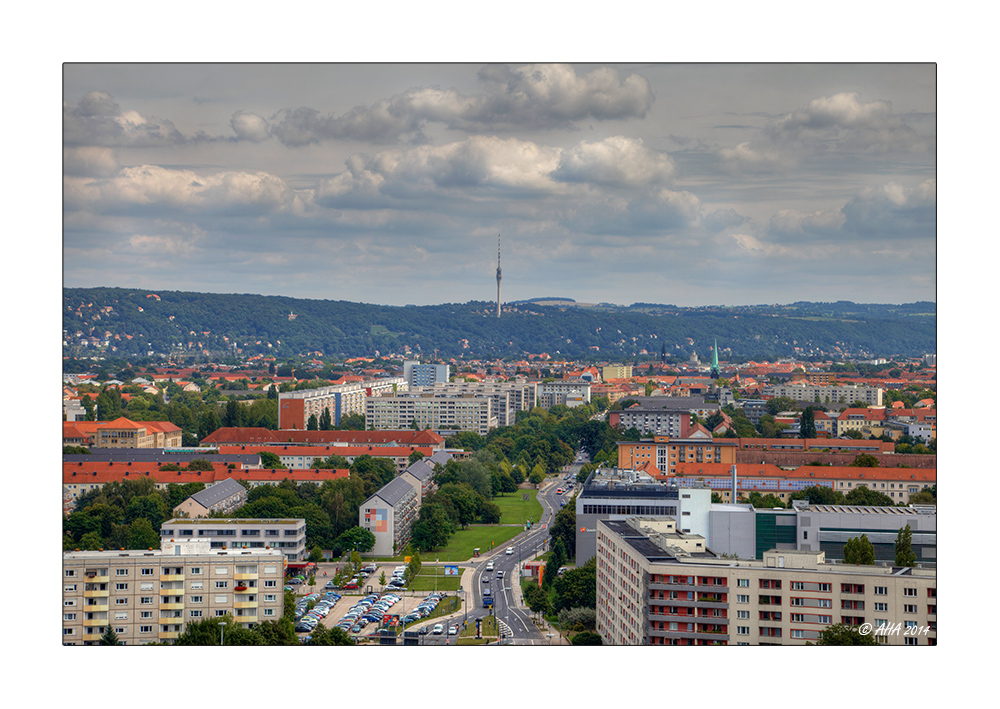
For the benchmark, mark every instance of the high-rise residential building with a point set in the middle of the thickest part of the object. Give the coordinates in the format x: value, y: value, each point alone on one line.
x: 150, y: 596
x: 442, y: 412
x: 425, y: 375
x: 286, y: 535
x: 656, y: 587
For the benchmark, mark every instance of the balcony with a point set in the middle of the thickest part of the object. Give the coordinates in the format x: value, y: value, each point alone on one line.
x: 93, y: 577
x: 95, y: 622
x: 171, y: 577
x: 245, y: 577
x: 105, y: 593
x: 245, y: 604
x: 168, y: 636
x: 172, y: 606
x: 96, y: 608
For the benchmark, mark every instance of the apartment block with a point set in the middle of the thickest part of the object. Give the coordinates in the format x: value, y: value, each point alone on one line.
x: 654, y: 590
x: 295, y: 407
x: 425, y: 375
x: 389, y: 514
x: 850, y: 394
x: 286, y: 535
x: 666, y: 452
x: 150, y: 596
x: 442, y: 412
x: 567, y: 392
x: 507, y: 397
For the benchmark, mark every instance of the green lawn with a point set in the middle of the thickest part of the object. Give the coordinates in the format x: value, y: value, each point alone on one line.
x: 483, y: 537
x: 514, y: 509
x: 432, y: 578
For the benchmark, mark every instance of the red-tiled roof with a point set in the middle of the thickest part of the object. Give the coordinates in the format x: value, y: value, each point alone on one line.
x: 818, y: 472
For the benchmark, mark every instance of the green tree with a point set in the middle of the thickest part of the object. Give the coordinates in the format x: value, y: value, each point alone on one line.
x: 807, y: 423
x: 489, y: 513
x: 904, y: 548
x: 536, y: 597
x: 858, y: 550
x: 819, y: 495
x: 352, y: 422
x: 861, y: 495
x: 577, y: 587
x: 587, y: 637
x: 841, y: 634
x: 864, y: 460
x: 323, y: 635
x: 270, y: 460
x: 313, y: 423
x: 141, y: 535
x: 357, y: 539
x: 109, y: 637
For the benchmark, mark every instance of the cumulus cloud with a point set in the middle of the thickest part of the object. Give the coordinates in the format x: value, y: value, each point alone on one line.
x: 153, y: 188
x: 893, y: 211
x: 250, y: 126
x: 615, y: 161
x: 842, y: 123
x: 98, y: 120
x: 534, y: 96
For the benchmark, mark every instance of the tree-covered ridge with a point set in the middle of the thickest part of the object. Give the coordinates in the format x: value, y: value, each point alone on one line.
x: 137, y: 322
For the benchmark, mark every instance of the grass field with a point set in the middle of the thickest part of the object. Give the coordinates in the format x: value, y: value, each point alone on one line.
x: 514, y: 509
x: 432, y: 578
x: 464, y: 541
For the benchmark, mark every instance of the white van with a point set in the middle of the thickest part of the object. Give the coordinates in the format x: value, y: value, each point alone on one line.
x: 489, y: 566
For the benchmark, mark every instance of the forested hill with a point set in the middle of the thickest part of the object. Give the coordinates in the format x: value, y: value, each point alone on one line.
x: 139, y: 321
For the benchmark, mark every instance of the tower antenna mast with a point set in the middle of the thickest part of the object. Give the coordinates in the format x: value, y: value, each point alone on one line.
x: 499, y: 276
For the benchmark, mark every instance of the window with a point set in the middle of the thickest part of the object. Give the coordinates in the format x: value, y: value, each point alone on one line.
x: 881, y: 590
x: 121, y: 601
x: 196, y: 599
x: 121, y: 572
x: 220, y: 599
x: 269, y: 598
x: 197, y: 585
x: 268, y: 611
x: 221, y: 584
x: 145, y: 628
x: 146, y: 586
x: 69, y: 631
x: 910, y: 641
x: 196, y: 571
x: 121, y: 586
x: 219, y: 613
x: 270, y: 584
x: 742, y: 599
x: 196, y: 614
x: 742, y: 630
x: 883, y: 607
x: 69, y: 616
x: 909, y: 609
x: 743, y: 615
x: 71, y: 602
x: 909, y: 592
x: 70, y: 573
x: 798, y: 634
x: 121, y: 615
x: 743, y: 583
x: 145, y: 614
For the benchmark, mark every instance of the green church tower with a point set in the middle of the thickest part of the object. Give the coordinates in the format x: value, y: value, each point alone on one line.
x: 714, y: 372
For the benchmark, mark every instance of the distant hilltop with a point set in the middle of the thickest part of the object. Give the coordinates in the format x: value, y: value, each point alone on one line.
x: 125, y: 322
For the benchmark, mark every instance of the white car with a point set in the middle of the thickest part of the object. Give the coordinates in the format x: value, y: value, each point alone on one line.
x: 453, y: 630
x: 510, y: 550
x: 438, y: 629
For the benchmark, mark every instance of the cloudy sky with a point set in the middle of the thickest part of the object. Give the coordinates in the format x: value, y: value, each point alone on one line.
x: 389, y: 183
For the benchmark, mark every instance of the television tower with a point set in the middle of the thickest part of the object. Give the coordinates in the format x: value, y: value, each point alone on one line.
x: 498, y: 276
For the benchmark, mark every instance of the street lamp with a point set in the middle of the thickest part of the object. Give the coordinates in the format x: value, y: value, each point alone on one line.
x: 222, y: 634
x: 550, y: 638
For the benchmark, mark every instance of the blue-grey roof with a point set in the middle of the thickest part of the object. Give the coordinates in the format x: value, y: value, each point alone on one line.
x: 395, y: 491
x: 217, y: 493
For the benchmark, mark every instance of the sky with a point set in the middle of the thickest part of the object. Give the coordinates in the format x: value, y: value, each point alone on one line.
x: 683, y: 183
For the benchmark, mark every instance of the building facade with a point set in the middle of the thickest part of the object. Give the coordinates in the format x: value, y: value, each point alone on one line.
x: 295, y: 407
x: 425, y: 375
x: 442, y: 412
x: 150, y: 596
x: 286, y: 535
x: 389, y: 514
x: 653, y: 591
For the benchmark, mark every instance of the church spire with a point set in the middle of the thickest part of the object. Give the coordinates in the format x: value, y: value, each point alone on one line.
x: 714, y: 372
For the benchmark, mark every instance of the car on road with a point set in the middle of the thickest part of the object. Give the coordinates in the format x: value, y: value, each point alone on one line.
x: 438, y: 629
x: 453, y: 630
x: 559, y: 491
x: 500, y: 574
x: 489, y: 566
x: 486, y: 579
x: 510, y: 550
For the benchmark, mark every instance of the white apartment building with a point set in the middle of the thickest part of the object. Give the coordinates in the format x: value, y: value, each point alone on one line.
x: 295, y: 407
x: 850, y: 394
x: 568, y: 392
x: 652, y: 589
x: 507, y: 397
x: 150, y: 596
x: 286, y: 535
x: 442, y: 412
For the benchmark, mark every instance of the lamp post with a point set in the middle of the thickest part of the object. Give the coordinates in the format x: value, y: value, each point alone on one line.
x: 222, y: 634
x: 550, y: 638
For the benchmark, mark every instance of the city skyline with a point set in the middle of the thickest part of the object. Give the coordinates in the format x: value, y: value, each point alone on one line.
x: 386, y: 183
